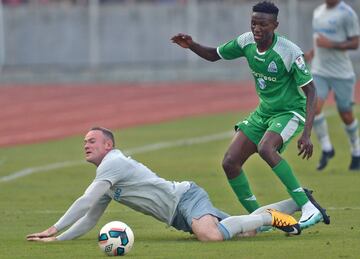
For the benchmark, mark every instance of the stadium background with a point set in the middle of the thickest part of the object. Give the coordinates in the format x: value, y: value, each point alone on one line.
x: 128, y: 40
x: 113, y: 48
x: 69, y: 65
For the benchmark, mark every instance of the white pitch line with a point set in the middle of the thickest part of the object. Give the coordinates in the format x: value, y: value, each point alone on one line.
x: 136, y: 150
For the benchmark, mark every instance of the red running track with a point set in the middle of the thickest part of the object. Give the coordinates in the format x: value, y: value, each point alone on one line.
x: 31, y: 113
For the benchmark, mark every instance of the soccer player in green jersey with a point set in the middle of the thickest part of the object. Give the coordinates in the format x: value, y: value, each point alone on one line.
x: 286, y: 108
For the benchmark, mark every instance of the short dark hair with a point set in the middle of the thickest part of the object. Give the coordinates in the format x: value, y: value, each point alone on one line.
x: 107, y: 133
x: 266, y: 7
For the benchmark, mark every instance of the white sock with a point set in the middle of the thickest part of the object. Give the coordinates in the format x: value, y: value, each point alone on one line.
x: 240, y: 224
x: 321, y: 131
x: 352, y: 131
x: 286, y: 206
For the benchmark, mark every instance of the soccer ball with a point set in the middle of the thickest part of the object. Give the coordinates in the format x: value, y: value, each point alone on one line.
x: 116, y: 238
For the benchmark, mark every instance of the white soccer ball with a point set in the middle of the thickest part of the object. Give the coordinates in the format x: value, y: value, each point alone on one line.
x: 116, y: 238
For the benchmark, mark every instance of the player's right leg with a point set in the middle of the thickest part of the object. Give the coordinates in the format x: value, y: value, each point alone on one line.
x: 240, y: 149
x: 288, y: 206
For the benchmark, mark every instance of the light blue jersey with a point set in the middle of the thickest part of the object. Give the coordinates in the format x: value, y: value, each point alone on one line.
x: 136, y: 186
x: 337, y: 24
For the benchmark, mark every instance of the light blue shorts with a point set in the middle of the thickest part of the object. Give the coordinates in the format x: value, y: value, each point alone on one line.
x: 343, y: 89
x: 194, y: 204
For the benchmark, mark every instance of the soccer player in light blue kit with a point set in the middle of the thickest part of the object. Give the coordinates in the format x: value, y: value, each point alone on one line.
x: 336, y: 30
x: 183, y: 205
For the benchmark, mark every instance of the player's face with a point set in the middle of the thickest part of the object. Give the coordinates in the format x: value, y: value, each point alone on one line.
x: 96, y: 146
x: 263, y: 26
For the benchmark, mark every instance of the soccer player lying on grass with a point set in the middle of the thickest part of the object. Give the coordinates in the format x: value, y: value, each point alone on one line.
x: 183, y: 205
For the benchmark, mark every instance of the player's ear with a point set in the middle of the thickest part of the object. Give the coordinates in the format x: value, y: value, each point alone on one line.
x: 276, y: 24
x: 108, y: 144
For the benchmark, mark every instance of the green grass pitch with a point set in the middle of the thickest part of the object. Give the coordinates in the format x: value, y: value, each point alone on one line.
x: 32, y: 203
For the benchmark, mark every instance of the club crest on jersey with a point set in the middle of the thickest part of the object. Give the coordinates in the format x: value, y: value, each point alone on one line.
x: 300, y: 62
x: 261, y: 83
x: 272, y: 68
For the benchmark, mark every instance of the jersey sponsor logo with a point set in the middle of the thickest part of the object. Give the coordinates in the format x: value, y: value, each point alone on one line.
x: 245, y: 122
x: 259, y: 59
x: 117, y: 194
x: 300, y: 62
x: 278, y: 125
x: 264, y: 77
x: 261, y: 83
x: 272, y: 68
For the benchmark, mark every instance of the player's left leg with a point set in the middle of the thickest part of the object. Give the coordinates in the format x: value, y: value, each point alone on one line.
x: 281, y: 130
x: 344, y: 94
x: 195, y: 213
x: 206, y: 228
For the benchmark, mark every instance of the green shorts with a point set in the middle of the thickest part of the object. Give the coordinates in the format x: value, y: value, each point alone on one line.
x: 288, y: 125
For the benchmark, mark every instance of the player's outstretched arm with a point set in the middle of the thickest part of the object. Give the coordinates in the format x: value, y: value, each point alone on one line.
x: 186, y: 42
x: 82, y: 205
x: 77, y: 210
x: 86, y: 223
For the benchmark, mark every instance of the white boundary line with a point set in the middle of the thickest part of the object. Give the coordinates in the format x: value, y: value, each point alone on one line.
x: 137, y: 150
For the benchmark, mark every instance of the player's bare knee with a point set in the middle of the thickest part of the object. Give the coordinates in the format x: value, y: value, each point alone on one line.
x: 210, y: 236
x: 230, y: 166
x: 347, y: 117
x: 265, y: 151
x: 206, y: 229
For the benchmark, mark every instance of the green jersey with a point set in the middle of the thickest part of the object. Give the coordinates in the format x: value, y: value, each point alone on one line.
x: 279, y: 73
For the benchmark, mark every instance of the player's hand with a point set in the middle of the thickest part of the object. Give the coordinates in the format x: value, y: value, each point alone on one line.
x: 324, y: 42
x: 46, y: 233
x: 182, y: 40
x: 305, y: 147
x: 44, y: 239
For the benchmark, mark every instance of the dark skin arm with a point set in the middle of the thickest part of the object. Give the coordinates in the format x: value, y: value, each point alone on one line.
x: 304, y: 143
x: 185, y: 41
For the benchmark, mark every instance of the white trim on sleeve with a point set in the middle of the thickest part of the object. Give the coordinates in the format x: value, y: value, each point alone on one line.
x: 218, y: 52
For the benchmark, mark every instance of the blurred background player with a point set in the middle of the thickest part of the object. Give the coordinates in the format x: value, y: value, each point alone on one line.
x: 183, y: 205
x: 280, y: 72
x: 336, y: 30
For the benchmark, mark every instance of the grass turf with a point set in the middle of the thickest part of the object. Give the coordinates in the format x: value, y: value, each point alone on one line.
x: 32, y: 203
